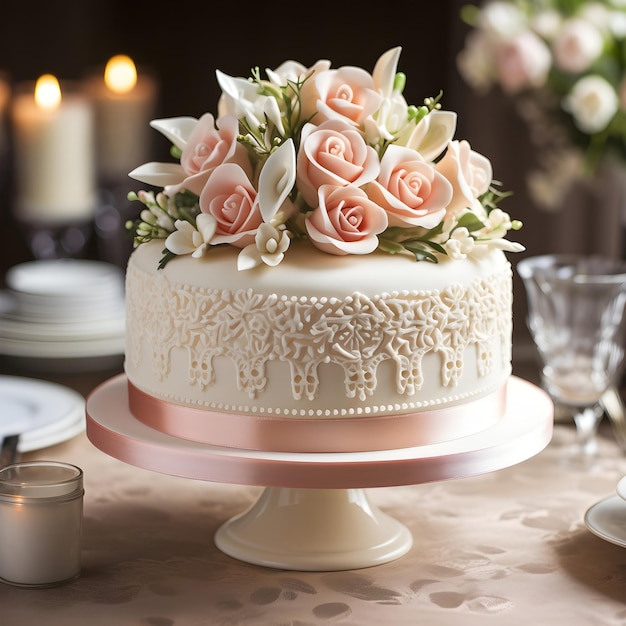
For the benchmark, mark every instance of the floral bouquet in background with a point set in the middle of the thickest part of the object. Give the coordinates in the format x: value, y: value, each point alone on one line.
x: 333, y: 156
x: 564, y: 61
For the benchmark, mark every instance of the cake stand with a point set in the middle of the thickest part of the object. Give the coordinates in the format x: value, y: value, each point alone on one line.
x: 314, y: 514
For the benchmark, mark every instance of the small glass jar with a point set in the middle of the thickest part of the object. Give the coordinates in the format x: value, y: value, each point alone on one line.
x: 41, y: 514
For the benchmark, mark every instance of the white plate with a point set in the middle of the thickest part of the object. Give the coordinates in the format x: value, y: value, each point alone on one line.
x: 107, y: 346
x: 56, y: 433
x: 621, y: 488
x: 62, y: 277
x: 37, y: 407
x: 15, y: 328
x: 607, y: 520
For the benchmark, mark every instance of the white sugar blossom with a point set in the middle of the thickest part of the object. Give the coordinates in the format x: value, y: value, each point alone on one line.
x: 189, y: 240
x: 460, y: 244
x: 269, y: 247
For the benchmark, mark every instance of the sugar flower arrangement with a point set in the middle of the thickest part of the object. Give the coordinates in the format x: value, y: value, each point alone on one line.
x: 564, y: 63
x: 335, y: 156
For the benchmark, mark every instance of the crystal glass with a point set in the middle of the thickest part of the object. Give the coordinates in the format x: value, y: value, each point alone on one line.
x: 577, y: 320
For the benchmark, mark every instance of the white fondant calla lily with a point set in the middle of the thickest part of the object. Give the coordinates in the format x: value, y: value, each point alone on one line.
x: 176, y: 129
x: 385, y: 70
x: 241, y: 98
x: 277, y: 179
x: 158, y: 174
x: 431, y: 135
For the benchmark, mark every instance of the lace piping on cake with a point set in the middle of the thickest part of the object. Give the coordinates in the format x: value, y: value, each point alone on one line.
x: 357, y: 332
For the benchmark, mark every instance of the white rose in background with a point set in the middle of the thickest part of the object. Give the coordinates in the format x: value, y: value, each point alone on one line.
x: 577, y: 46
x: 502, y: 19
x: 593, y: 103
x: 546, y: 23
x: 475, y: 61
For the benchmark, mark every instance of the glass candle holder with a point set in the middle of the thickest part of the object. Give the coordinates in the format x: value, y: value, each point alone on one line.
x: 41, y: 512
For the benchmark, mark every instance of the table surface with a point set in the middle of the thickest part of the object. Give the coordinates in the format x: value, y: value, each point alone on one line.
x: 508, y: 547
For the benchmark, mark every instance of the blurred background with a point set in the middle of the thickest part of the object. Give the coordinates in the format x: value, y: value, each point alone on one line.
x: 181, y: 44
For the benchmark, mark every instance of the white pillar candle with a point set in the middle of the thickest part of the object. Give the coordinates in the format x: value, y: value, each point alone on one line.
x: 55, y: 173
x: 124, y: 104
x: 41, y: 509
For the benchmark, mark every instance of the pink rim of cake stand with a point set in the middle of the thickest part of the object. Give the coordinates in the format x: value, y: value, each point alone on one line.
x: 313, y: 514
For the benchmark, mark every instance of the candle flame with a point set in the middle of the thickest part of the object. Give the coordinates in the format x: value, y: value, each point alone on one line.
x: 47, y: 92
x: 120, y: 74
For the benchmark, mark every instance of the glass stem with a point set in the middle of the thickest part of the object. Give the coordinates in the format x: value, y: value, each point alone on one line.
x: 587, y: 421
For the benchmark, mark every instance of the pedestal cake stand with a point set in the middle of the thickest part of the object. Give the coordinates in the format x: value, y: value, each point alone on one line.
x: 314, y: 514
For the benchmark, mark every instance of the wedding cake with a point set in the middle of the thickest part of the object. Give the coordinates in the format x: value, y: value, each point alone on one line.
x: 323, y: 270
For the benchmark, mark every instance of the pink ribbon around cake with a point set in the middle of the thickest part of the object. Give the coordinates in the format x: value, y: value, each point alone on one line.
x: 352, y: 434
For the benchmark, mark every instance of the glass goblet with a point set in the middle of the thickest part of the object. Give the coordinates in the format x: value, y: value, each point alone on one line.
x: 576, y: 316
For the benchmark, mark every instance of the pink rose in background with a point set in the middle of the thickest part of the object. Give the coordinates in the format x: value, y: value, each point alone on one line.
x: 231, y: 199
x: 207, y: 147
x: 346, y: 221
x: 333, y: 153
x: 346, y: 94
x: 411, y: 190
x: 470, y: 174
x: 522, y: 61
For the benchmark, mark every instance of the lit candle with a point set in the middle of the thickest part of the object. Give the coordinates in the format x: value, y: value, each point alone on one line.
x: 5, y: 96
x: 41, y: 512
x: 55, y: 174
x: 124, y: 106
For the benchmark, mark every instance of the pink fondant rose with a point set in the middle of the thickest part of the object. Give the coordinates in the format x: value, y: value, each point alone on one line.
x: 207, y: 147
x: 347, y: 94
x: 470, y: 174
x: 333, y: 153
x: 346, y: 221
x: 231, y: 199
x: 411, y: 191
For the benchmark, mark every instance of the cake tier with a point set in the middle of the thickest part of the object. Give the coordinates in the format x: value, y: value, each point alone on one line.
x: 320, y: 337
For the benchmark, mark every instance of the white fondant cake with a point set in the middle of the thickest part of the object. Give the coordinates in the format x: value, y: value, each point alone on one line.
x: 319, y: 336
x: 323, y: 271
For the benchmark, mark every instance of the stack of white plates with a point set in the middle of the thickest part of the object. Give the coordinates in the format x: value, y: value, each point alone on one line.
x: 63, y: 309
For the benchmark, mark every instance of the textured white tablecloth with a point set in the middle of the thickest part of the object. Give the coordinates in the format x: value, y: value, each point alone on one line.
x: 504, y: 548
